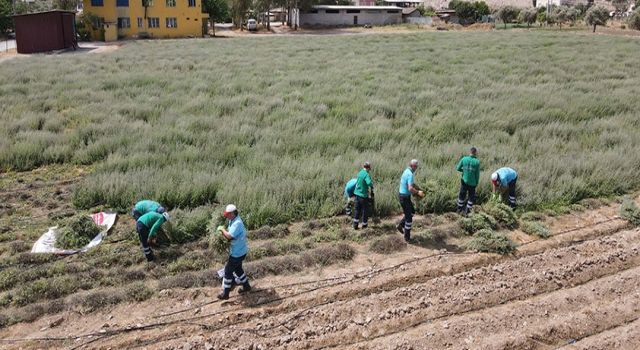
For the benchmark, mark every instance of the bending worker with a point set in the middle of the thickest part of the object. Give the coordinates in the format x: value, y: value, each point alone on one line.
x: 237, y: 252
x: 349, y: 196
x: 146, y: 206
x: 505, y: 179
x: 364, y: 185
x: 407, y: 188
x: 469, y: 166
x: 147, y: 227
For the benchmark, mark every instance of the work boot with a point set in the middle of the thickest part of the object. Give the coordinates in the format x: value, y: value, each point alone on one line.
x: 224, y: 295
x: 246, y: 287
x: 407, y: 236
x: 400, y: 228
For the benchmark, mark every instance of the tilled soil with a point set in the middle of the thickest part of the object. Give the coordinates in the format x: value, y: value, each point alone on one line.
x: 575, y: 290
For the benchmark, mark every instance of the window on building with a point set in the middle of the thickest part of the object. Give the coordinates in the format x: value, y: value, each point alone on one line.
x: 97, y: 22
x: 140, y: 23
x: 192, y: 3
x: 171, y: 3
x: 353, y: 11
x: 97, y: 3
x: 393, y: 11
x: 172, y: 22
x: 154, y: 22
x: 149, y: 3
x: 313, y: 11
x: 122, y: 3
x: 124, y: 22
x: 332, y: 11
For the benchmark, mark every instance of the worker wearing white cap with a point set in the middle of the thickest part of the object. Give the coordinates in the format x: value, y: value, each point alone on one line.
x: 407, y: 188
x: 237, y: 252
x: 505, y: 179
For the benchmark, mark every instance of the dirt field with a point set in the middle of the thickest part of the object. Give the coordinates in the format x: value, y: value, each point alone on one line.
x: 575, y: 290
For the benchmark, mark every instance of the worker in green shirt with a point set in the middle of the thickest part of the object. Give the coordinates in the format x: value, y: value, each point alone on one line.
x: 147, y: 227
x: 363, y: 193
x: 469, y: 166
x: 145, y: 206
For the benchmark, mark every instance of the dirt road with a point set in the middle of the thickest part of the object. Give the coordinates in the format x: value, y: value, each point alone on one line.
x: 575, y: 290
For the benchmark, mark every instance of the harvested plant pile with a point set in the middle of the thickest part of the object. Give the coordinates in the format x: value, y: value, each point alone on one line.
x: 491, y: 242
x: 76, y: 232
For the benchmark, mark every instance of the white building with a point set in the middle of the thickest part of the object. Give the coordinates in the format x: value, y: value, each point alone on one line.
x: 329, y: 15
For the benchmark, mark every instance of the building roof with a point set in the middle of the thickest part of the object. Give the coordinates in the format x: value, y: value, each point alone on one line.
x: 409, y: 10
x: 337, y: 7
x: 43, y: 12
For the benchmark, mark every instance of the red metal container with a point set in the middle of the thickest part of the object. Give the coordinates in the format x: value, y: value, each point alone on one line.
x: 45, y: 31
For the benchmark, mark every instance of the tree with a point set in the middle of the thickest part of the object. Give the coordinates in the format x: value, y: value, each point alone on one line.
x: 528, y: 16
x: 634, y: 20
x: 558, y: 15
x: 507, y: 14
x: 67, y: 5
x: 239, y: 10
x: 469, y: 12
x: 482, y: 9
x: 428, y: 11
x: 541, y: 17
x: 218, y: 11
x: 6, y: 22
x: 597, y: 16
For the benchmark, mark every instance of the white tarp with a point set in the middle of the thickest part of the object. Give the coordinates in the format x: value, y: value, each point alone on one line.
x: 46, y: 242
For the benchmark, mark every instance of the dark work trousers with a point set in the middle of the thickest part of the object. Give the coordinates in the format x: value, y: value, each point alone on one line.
x: 136, y: 214
x: 462, y: 197
x: 143, y: 234
x: 233, y: 266
x: 408, y: 210
x: 512, y: 193
x: 362, y: 212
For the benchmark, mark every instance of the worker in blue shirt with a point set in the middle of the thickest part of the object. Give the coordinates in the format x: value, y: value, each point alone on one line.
x: 238, y: 249
x: 407, y: 188
x: 349, y: 196
x: 505, y: 180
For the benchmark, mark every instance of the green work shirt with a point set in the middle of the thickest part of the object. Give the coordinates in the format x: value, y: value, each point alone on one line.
x: 363, y: 183
x: 153, y: 221
x: 146, y: 206
x: 469, y: 166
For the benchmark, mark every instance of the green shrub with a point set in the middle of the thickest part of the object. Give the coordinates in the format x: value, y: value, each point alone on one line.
x: 138, y: 291
x: 491, y: 242
x: 188, y: 225
x: 535, y: 229
x: 48, y: 288
x: 502, y: 213
x: 532, y: 216
x: 388, y: 245
x: 476, y: 222
x: 267, y: 232
x: 76, y: 232
x: 629, y: 211
x: 191, y: 260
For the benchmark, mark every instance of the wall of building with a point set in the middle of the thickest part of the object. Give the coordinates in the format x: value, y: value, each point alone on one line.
x: 376, y: 17
x: 188, y: 19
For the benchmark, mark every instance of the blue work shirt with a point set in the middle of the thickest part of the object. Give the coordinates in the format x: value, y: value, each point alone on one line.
x: 237, y: 231
x: 405, y: 180
x: 349, y: 188
x: 506, y: 175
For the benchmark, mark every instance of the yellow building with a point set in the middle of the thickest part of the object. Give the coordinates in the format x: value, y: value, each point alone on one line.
x: 160, y: 18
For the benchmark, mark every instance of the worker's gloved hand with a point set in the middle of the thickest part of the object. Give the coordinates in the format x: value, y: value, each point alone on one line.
x: 152, y: 240
x: 220, y: 228
x: 421, y: 194
x: 494, y: 197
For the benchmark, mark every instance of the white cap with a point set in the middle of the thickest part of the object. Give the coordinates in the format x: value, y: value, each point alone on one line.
x: 230, y: 208
x: 166, y: 216
x: 494, y: 176
x: 413, y: 162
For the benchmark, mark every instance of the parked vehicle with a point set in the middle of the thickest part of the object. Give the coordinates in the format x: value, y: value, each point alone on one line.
x: 252, y: 24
